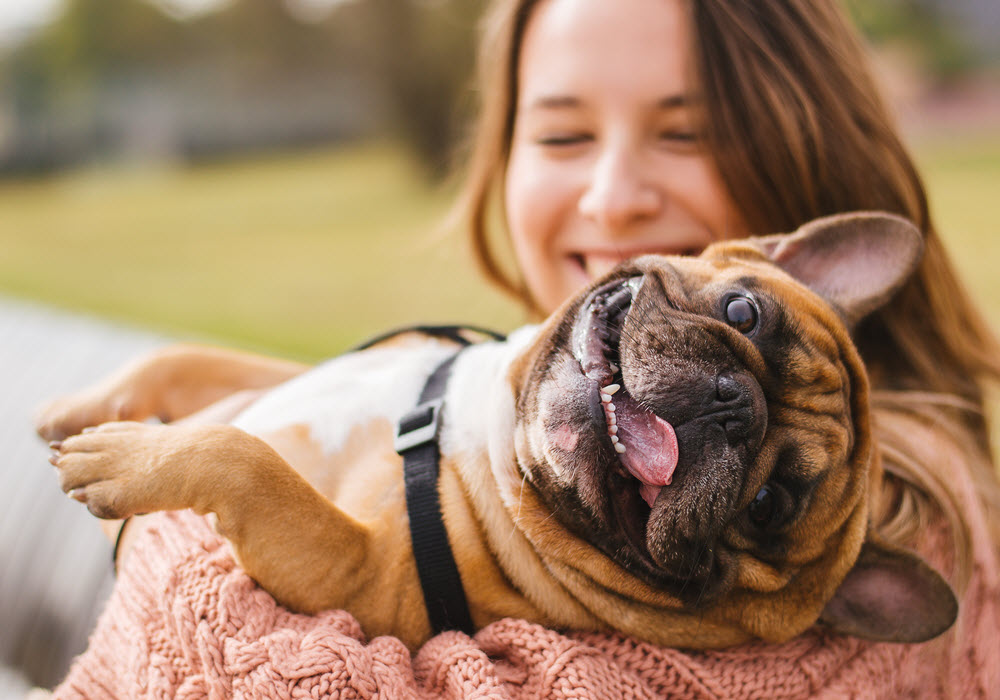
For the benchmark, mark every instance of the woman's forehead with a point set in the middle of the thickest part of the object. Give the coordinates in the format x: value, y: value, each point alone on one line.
x: 578, y: 49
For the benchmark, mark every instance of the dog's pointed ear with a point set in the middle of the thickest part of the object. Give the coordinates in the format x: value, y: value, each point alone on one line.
x: 856, y: 261
x: 891, y: 595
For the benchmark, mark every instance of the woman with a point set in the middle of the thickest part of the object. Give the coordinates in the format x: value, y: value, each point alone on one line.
x: 610, y: 129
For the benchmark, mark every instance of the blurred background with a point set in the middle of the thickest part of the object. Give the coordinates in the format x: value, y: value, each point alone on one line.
x: 263, y: 172
x: 272, y: 174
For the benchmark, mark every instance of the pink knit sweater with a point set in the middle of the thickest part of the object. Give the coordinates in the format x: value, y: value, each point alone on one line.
x: 184, y: 621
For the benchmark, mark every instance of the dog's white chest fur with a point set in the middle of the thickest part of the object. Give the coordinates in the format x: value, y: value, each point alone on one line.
x: 341, y: 393
x: 386, y: 382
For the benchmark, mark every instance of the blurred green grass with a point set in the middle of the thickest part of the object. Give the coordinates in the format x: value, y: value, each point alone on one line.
x: 303, y: 255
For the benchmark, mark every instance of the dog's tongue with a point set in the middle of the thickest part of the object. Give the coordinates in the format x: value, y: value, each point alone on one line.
x: 650, y: 446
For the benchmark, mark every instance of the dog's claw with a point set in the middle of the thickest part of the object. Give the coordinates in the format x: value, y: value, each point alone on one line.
x: 55, y: 445
x: 79, y: 494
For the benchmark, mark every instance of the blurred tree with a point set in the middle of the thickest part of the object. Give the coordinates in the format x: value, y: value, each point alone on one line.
x: 423, y: 53
x: 933, y: 34
x: 414, y: 56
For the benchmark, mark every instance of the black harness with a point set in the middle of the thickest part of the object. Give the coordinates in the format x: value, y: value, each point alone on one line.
x: 416, y: 442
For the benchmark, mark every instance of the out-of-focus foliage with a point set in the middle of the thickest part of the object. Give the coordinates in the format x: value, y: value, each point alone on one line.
x: 931, y: 29
x: 424, y: 54
x: 113, y: 78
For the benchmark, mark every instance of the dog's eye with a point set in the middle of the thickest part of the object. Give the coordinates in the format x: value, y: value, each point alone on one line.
x: 741, y: 314
x: 769, y: 508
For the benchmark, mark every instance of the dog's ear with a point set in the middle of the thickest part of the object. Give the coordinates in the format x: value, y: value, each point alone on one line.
x: 891, y: 595
x: 856, y: 261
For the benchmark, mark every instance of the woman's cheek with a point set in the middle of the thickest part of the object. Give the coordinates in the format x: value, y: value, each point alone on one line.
x: 532, y: 197
x: 701, y: 188
x: 541, y: 206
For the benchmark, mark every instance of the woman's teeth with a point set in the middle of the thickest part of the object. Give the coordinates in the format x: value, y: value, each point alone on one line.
x: 599, y: 265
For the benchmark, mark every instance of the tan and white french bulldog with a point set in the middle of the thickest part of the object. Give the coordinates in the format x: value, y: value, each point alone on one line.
x: 682, y: 453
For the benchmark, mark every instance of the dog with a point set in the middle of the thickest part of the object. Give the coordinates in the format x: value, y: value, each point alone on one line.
x: 683, y: 453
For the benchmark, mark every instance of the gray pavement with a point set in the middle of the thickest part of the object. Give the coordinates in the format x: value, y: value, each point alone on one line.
x: 55, y: 564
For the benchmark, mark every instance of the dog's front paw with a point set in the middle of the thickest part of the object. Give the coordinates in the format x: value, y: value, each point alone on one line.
x: 122, y: 469
x: 69, y: 415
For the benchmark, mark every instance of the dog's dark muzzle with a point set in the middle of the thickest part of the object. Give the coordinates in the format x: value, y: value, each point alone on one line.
x: 740, y: 408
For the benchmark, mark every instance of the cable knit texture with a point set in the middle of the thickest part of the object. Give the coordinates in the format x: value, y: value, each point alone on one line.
x: 184, y: 621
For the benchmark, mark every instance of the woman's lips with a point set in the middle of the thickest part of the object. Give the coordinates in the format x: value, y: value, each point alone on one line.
x: 596, y: 264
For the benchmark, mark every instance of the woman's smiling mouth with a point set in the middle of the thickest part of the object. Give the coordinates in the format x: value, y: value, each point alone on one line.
x: 594, y: 264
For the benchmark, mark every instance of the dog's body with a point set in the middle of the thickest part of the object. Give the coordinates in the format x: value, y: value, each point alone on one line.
x: 724, y: 498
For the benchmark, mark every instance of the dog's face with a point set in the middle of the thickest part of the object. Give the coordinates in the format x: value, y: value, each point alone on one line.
x: 701, y: 454
x: 704, y: 423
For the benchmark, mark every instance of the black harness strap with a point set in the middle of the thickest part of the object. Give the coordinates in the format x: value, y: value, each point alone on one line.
x: 416, y: 441
x: 444, y: 595
x: 454, y: 333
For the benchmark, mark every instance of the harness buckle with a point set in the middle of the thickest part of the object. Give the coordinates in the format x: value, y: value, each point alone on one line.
x: 418, y: 426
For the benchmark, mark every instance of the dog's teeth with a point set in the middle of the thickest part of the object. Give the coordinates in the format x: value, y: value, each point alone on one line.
x: 613, y: 367
x: 612, y: 429
x: 606, y: 398
x: 612, y: 420
x: 619, y: 448
x: 614, y: 440
x: 610, y: 389
x: 611, y: 407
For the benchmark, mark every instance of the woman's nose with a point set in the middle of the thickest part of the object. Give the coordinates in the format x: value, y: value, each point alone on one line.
x: 617, y: 194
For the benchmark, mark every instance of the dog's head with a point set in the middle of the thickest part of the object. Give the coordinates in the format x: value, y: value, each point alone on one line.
x: 704, y: 422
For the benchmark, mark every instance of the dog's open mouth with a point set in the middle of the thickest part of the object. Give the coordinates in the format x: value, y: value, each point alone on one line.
x: 645, y: 443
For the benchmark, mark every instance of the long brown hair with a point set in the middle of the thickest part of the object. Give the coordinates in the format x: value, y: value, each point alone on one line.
x: 797, y: 129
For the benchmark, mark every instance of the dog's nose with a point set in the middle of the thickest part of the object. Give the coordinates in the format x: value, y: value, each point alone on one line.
x: 740, y: 409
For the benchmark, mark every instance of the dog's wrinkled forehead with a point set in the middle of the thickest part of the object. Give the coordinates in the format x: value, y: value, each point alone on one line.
x: 721, y: 268
x: 736, y: 286
x: 793, y: 341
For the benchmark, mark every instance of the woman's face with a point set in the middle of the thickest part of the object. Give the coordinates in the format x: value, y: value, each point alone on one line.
x: 605, y: 162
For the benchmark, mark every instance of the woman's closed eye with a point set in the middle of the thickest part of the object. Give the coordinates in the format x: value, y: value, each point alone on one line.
x: 558, y: 140
x: 682, y: 140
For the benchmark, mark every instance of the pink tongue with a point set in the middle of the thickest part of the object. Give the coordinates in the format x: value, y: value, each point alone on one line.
x: 650, y: 446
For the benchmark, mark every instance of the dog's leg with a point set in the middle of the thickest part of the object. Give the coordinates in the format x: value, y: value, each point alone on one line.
x: 289, y: 538
x: 170, y: 383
